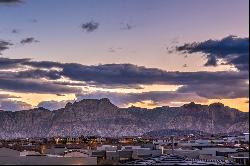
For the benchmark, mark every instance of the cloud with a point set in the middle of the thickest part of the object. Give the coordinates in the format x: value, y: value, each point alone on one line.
x: 15, y: 31
x: 38, y: 73
x: 231, y: 49
x: 157, y: 97
x: 47, y: 74
x: 53, y: 105
x: 35, y: 86
x: 90, y: 26
x: 42, y: 64
x: 230, y: 90
x: 60, y: 94
x: 211, y: 61
x: 124, y: 74
x: 7, y: 96
x: 4, y: 45
x: 186, y: 93
x: 70, y: 83
x: 111, y: 50
x: 33, y: 20
x: 127, y: 26
x: 114, y: 49
x: 6, y: 63
x: 10, y: 1
x: 29, y: 40
x: 8, y: 104
x: 11, y: 105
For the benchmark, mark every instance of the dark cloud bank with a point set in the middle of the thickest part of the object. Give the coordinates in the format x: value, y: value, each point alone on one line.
x: 197, y: 86
x: 43, y: 76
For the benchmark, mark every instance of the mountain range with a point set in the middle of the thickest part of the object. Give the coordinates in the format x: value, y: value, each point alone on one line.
x: 100, y: 117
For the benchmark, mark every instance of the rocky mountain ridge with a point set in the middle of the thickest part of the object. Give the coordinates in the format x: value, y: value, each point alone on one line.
x: 101, y: 117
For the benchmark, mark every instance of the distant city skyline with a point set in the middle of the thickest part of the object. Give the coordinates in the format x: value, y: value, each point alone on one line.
x: 146, y: 53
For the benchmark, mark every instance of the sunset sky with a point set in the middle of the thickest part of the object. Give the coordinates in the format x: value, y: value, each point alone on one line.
x: 145, y: 53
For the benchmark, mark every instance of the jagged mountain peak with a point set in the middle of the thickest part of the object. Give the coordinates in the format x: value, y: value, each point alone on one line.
x: 93, y: 104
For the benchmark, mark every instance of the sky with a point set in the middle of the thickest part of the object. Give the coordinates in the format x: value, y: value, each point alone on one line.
x: 145, y: 53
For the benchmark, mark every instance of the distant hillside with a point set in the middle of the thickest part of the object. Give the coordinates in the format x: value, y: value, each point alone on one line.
x: 171, y: 132
x: 101, y: 117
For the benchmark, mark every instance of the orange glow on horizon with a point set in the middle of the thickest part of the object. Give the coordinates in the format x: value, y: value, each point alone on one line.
x: 34, y: 99
x: 238, y: 103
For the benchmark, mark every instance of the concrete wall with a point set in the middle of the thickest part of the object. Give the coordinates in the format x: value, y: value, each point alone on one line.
x: 210, y: 157
x: 44, y: 160
x: 145, y: 152
x: 212, y: 151
x: 194, y: 154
